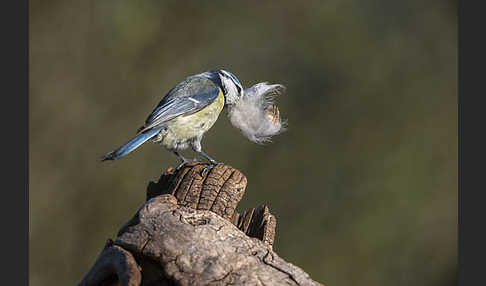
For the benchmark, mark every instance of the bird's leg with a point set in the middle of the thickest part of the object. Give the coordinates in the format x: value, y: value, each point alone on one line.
x: 183, y: 159
x: 211, y: 160
x: 196, y: 146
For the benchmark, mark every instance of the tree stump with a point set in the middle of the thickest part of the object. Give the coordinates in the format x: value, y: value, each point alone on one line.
x: 188, y: 233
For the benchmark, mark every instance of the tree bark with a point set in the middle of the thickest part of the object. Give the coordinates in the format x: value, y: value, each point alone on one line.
x: 188, y: 233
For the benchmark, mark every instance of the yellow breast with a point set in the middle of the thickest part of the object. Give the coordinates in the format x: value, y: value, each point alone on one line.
x: 184, y: 128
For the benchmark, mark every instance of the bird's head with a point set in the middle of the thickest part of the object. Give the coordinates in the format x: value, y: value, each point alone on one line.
x: 231, y: 86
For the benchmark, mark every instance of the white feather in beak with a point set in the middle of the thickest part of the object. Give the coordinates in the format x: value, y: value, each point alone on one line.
x: 256, y: 115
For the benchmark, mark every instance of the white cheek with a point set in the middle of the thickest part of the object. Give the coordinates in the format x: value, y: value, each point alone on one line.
x: 233, y: 95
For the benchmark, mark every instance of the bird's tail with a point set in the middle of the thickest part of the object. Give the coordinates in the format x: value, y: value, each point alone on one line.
x: 131, y: 145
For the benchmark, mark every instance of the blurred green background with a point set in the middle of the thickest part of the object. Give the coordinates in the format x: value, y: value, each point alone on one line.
x: 364, y: 182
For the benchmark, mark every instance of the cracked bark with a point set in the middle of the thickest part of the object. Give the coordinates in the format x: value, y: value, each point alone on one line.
x: 189, y: 233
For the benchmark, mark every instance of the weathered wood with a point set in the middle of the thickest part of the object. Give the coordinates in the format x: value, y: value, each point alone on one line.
x: 258, y: 223
x: 218, y: 189
x: 114, y: 266
x: 188, y: 233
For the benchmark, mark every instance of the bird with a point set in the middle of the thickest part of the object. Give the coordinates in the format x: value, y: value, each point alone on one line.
x: 184, y: 114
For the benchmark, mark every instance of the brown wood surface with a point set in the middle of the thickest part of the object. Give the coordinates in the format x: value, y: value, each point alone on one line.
x: 189, y: 233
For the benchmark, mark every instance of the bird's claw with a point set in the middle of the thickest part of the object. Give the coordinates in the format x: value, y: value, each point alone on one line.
x: 180, y: 165
x: 214, y: 162
x: 211, y: 165
x: 185, y: 161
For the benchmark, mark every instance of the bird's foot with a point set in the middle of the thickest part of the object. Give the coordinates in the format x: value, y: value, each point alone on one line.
x: 185, y: 161
x: 211, y: 160
x: 214, y: 162
x: 211, y: 165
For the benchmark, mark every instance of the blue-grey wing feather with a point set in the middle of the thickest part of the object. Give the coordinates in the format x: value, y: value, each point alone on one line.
x: 187, y: 97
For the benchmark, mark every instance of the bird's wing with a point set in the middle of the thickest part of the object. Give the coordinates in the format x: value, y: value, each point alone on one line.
x: 187, y: 97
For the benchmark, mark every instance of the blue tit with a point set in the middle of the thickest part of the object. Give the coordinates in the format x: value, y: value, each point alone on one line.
x: 185, y: 113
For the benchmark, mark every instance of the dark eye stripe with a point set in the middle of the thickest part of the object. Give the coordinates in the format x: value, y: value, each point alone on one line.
x: 237, y: 83
x: 233, y: 78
